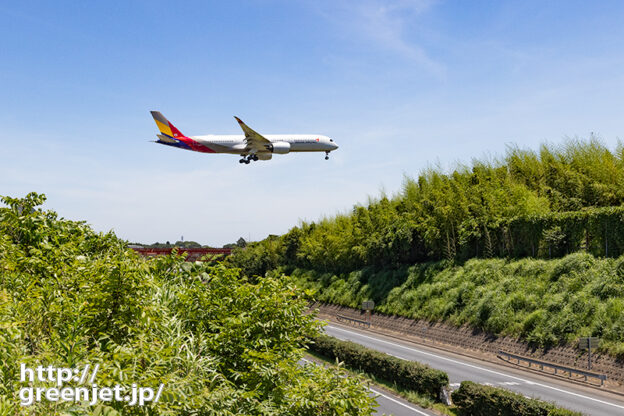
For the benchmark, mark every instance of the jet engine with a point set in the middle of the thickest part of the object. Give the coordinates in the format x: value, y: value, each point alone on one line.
x: 280, y: 148
x: 264, y: 156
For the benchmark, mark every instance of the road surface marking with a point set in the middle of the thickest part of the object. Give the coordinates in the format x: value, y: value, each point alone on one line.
x: 381, y: 394
x: 480, y: 368
x: 398, y: 402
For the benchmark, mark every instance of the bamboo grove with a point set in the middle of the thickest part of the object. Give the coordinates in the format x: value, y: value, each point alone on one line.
x: 544, y: 204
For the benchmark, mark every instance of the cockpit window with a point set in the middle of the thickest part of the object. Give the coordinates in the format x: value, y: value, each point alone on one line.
x: 331, y: 140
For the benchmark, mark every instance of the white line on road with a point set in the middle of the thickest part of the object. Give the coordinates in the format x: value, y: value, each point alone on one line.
x: 383, y: 395
x: 413, y: 409
x: 479, y: 368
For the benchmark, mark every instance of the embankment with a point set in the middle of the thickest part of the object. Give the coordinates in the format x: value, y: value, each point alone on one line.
x: 469, y: 339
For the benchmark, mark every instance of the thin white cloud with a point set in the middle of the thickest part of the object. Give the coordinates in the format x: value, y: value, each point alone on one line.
x: 385, y: 24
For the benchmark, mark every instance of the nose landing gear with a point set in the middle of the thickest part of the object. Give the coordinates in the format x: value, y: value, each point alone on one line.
x: 326, y: 155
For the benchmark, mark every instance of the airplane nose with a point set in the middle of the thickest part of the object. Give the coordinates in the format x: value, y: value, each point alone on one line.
x: 335, y: 146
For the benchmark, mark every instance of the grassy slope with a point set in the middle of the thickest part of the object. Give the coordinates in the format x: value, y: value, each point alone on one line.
x: 542, y: 301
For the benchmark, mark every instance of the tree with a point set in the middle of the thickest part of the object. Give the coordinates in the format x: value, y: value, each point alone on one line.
x: 220, y: 343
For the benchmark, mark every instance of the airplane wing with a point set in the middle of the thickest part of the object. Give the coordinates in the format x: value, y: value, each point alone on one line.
x: 255, y: 141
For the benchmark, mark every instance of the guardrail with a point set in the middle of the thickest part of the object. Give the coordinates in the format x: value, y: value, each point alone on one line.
x: 555, y: 367
x: 353, y: 320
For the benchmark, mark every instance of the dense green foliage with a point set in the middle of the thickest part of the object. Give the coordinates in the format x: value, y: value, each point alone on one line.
x: 545, y: 302
x: 474, y: 399
x: 527, y: 246
x: 546, y: 204
x: 407, y: 374
x: 221, y: 344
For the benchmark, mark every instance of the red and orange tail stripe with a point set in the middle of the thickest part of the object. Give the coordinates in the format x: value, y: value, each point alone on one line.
x: 165, y: 125
x: 179, y: 140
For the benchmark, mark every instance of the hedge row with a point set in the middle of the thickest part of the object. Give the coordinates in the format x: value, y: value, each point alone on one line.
x: 471, y: 399
x: 407, y: 374
x: 474, y: 399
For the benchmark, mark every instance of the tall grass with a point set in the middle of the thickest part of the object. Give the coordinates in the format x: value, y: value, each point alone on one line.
x: 544, y: 302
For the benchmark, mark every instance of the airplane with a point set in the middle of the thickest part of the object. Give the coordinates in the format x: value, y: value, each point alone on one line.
x: 251, y: 146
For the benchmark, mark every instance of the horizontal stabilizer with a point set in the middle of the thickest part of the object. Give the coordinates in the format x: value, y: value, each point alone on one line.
x: 165, y: 139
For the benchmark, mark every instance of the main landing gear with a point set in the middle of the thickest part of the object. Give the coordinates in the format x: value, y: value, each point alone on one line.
x: 248, y: 159
x: 326, y: 155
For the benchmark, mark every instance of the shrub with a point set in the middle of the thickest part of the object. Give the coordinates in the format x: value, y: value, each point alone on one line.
x: 474, y: 399
x: 408, y: 374
x: 220, y: 344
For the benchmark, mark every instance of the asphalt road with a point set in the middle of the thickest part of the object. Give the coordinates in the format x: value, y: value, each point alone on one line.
x: 459, y: 368
x: 390, y: 404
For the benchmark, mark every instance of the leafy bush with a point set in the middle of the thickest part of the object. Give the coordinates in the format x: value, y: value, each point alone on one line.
x: 220, y: 343
x: 407, y: 374
x: 474, y: 399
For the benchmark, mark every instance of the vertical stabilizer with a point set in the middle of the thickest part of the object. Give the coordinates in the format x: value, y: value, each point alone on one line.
x: 165, y: 125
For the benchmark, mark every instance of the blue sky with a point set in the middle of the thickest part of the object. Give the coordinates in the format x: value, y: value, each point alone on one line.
x: 400, y: 85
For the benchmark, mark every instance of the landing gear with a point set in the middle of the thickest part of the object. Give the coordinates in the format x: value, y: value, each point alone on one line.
x: 248, y: 159
x: 326, y: 155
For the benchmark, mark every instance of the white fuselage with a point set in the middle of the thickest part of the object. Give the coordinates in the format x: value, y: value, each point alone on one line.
x: 251, y: 145
x: 235, y: 143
